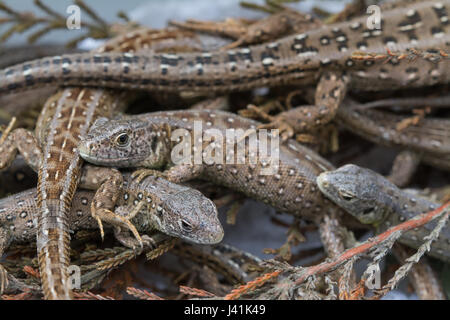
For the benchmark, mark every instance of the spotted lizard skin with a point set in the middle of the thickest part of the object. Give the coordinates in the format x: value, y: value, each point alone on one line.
x: 166, y: 206
x: 233, y: 263
x: 175, y: 210
x: 66, y: 116
x: 320, y: 56
x: 305, y: 58
x: 292, y: 189
x: 372, y: 199
x: 430, y: 138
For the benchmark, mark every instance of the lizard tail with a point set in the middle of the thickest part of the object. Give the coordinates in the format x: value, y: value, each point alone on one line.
x: 53, y: 251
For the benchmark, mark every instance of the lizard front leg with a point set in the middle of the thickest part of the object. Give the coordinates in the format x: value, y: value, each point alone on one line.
x: 108, y: 183
x: 184, y: 172
x: 403, y: 168
x: 128, y: 212
x: 329, y: 94
x: 177, y: 174
x: 24, y: 142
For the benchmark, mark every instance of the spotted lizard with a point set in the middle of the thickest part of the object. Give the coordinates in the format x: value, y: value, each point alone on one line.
x: 372, y: 199
x: 66, y: 116
x: 323, y: 55
x: 144, y: 140
x: 430, y: 138
x: 151, y: 204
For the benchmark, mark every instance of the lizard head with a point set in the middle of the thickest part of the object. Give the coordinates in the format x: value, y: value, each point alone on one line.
x: 187, y: 214
x: 357, y: 190
x: 125, y: 143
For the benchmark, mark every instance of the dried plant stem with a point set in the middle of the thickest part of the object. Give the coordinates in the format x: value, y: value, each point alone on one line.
x: 401, y: 272
x: 373, y: 242
x: 252, y: 285
x: 196, y: 292
x: 142, y: 294
x: 8, y: 130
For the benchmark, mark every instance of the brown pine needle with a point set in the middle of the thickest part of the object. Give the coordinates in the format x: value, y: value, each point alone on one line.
x: 252, y: 285
x: 196, y: 292
x: 8, y: 130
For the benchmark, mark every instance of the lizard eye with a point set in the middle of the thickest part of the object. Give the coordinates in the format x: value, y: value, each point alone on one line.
x: 346, y: 195
x: 186, y: 226
x: 122, y: 139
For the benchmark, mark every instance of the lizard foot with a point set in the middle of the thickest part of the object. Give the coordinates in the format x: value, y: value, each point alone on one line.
x: 141, y: 174
x: 275, y: 122
x: 117, y: 219
x: 130, y: 242
x: 254, y: 112
x: 285, y: 130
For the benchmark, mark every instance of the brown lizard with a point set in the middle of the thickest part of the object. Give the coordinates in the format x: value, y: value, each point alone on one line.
x: 153, y: 203
x: 281, y: 22
x: 430, y: 138
x: 145, y: 141
x: 306, y: 56
x: 372, y: 199
x: 323, y: 56
x: 65, y: 118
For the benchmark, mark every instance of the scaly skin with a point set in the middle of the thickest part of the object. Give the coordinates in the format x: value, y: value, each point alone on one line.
x: 292, y: 189
x: 66, y: 117
x: 231, y: 262
x: 372, y: 199
x: 175, y: 210
x: 276, y: 25
x: 430, y: 138
x: 185, y: 213
x: 322, y: 56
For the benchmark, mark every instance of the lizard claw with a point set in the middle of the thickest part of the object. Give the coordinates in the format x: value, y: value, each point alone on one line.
x: 131, y: 242
x: 99, y: 220
x: 102, y: 214
x: 253, y: 111
x: 149, y: 241
x: 141, y: 174
x: 285, y: 130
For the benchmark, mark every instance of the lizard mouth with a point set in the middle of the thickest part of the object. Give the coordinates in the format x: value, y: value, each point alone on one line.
x: 87, y: 155
x: 322, y: 183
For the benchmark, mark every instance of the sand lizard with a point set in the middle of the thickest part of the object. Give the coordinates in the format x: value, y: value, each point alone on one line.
x: 430, y: 138
x: 145, y: 141
x: 152, y: 204
x: 65, y: 118
x: 323, y: 56
x: 372, y: 199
